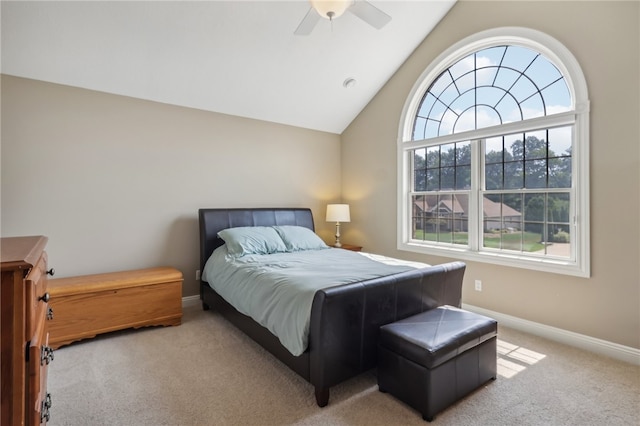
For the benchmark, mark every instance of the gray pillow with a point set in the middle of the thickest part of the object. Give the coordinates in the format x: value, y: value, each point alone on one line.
x: 297, y: 238
x: 245, y: 240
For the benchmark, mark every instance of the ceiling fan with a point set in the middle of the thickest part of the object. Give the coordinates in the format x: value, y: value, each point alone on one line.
x: 332, y: 9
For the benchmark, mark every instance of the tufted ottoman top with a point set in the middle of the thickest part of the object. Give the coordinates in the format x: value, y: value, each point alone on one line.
x: 437, y: 335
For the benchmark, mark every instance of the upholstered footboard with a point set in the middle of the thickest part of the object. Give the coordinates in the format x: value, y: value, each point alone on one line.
x: 345, y: 320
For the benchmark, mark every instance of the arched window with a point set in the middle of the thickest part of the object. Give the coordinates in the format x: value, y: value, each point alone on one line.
x: 493, y: 155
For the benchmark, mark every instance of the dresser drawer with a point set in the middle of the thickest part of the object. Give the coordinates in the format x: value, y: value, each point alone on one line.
x: 40, y: 355
x: 37, y: 296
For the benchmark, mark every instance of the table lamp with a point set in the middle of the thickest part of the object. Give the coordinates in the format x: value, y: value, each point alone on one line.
x: 338, y: 213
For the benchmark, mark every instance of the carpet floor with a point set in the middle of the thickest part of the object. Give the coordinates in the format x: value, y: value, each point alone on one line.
x: 206, y: 372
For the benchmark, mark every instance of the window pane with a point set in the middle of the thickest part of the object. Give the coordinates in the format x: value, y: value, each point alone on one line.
x: 505, y: 78
x: 493, y: 150
x: 534, y: 207
x: 447, y: 178
x: 487, y: 117
x: 514, y: 144
x: 492, y: 220
x: 543, y: 72
x: 512, y: 211
x: 418, y: 208
x: 427, y: 103
x: 419, y: 128
x: 535, y: 145
x: 518, y: 58
x: 560, y: 172
x: 490, y: 56
x: 462, y: 67
x: 492, y: 211
x: 466, y: 82
x: 557, y: 97
x: 558, y: 209
x: 533, y: 107
x: 463, y: 153
x: 509, y: 109
x: 535, y: 174
x: 523, y: 89
x: 433, y: 179
x: 437, y: 111
x: 467, y: 121
x: 448, y: 122
x: 431, y: 130
x: 419, y: 170
x: 513, y: 175
x: 460, y: 206
x: 493, y: 176
x: 447, y: 157
x: 464, y: 102
x: 440, y: 84
x: 449, y: 95
x: 463, y: 177
x: 485, y: 76
x: 559, y: 141
x: 433, y: 156
x: 489, y: 96
x: 512, y: 240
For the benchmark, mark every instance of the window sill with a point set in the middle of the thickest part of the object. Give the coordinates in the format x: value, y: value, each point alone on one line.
x: 552, y: 265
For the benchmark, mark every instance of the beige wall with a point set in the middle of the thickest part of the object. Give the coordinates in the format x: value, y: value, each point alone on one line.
x: 115, y: 182
x: 604, y: 38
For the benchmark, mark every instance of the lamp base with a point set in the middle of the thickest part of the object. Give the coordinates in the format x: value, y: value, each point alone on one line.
x: 337, y: 243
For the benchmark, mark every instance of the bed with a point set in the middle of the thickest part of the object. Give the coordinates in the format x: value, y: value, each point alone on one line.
x: 344, y: 320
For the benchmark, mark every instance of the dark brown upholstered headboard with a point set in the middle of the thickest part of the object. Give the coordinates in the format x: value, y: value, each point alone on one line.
x: 213, y: 221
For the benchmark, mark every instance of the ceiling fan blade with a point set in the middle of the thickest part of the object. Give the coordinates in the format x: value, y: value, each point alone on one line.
x: 370, y: 14
x: 308, y: 23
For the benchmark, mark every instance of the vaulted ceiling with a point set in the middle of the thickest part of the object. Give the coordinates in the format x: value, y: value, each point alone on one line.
x: 233, y: 57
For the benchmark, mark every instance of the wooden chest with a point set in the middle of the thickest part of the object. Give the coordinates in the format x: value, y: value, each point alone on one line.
x: 89, y: 305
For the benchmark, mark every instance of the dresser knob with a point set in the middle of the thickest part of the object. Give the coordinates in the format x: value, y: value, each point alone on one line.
x: 45, y: 298
x: 51, y: 272
x: 44, y: 411
x: 46, y: 355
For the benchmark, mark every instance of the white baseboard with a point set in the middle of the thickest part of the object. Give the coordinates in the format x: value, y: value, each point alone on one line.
x: 189, y: 301
x: 602, y: 347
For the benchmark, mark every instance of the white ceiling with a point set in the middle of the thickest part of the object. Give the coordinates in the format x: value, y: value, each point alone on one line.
x: 233, y: 57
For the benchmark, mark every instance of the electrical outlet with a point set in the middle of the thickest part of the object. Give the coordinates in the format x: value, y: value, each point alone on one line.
x: 198, y: 275
x: 478, y: 285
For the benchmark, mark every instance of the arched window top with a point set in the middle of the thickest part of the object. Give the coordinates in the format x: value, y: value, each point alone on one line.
x: 492, y: 86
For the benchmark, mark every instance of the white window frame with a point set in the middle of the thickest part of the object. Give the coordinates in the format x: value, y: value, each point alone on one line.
x: 579, y: 262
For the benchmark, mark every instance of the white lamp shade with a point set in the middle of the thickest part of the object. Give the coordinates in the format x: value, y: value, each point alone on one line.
x: 338, y: 213
x: 330, y: 9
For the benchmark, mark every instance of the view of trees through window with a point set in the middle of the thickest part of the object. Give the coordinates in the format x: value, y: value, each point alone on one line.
x: 514, y: 216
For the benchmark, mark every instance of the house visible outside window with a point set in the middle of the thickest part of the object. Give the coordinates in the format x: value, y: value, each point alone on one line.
x: 493, y: 155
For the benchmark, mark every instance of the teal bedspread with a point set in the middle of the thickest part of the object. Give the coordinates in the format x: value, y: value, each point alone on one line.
x: 277, y: 290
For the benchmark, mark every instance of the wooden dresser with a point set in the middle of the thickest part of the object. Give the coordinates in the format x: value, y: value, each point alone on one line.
x: 25, y: 353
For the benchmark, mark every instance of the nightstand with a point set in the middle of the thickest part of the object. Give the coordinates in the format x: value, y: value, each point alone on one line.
x: 350, y: 247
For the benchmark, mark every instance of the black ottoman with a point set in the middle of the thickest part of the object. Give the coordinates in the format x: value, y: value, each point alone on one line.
x: 433, y: 359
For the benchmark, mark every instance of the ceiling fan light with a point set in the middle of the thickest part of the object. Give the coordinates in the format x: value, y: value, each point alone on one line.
x: 330, y: 9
